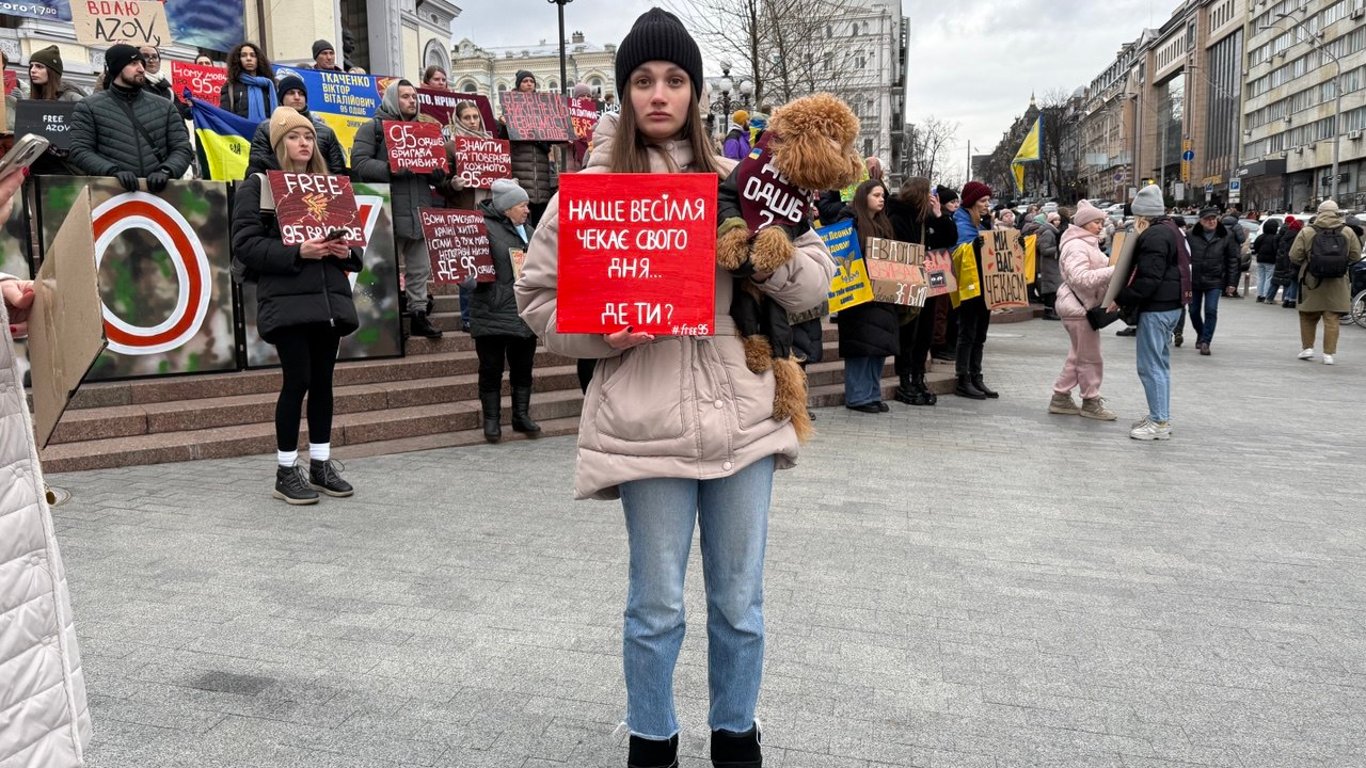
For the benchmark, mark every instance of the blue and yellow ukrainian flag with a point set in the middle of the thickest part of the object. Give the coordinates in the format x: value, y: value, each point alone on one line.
x: 224, y: 141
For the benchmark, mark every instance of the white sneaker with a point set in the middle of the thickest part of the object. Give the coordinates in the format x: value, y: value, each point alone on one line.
x: 1307, y: 354
x: 1327, y: 359
x: 1140, y: 423
x: 1152, y: 430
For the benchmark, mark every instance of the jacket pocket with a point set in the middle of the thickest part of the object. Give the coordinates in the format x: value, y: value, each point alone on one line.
x: 752, y: 393
x: 642, y: 397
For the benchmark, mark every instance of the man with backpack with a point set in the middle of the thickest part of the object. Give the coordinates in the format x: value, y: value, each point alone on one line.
x: 1324, y: 252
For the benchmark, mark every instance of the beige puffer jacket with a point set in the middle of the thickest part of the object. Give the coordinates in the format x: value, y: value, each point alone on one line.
x: 44, y: 721
x: 680, y: 406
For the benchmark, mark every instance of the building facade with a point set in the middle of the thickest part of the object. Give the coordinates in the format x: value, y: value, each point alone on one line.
x: 492, y: 70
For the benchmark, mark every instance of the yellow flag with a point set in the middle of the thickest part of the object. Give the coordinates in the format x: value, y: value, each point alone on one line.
x: 1018, y: 170
x: 1029, y: 148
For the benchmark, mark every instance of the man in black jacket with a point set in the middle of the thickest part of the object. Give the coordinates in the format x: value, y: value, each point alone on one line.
x: 1215, y: 268
x: 127, y: 133
x: 292, y: 93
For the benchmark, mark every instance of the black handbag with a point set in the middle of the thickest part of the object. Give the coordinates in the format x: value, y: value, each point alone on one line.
x: 1099, y: 318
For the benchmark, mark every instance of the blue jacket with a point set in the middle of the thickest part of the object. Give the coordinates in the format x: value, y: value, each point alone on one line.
x: 966, y: 231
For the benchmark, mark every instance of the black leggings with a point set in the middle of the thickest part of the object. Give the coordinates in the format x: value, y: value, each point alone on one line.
x: 308, y: 353
x: 915, y: 343
x: 519, y: 352
x: 973, y: 320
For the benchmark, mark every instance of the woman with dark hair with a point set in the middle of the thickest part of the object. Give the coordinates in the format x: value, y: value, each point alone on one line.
x: 974, y: 317
x: 869, y: 333
x: 434, y: 77
x: 303, y: 295
x: 917, y: 217
x: 45, y: 77
x: 679, y: 427
x: 250, y: 89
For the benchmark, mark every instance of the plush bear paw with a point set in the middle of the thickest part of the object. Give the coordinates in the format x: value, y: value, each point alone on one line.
x: 758, y: 354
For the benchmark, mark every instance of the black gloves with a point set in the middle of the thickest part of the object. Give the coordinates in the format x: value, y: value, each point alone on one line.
x: 436, y: 177
x: 156, y: 181
x: 128, y: 180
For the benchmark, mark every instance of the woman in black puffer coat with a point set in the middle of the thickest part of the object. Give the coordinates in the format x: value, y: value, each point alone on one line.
x: 869, y: 333
x: 304, y: 308
x: 917, y: 217
x: 1264, y: 248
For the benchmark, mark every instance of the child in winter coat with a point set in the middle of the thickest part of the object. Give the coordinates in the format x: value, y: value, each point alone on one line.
x: 1086, y: 274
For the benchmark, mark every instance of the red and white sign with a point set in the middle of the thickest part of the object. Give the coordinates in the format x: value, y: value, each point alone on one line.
x: 415, y: 145
x: 204, y: 82
x: 637, y: 251
x: 537, y: 117
x: 309, y: 206
x: 482, y: 161
x: 584, y: 112
x: 442, y: 105
x: 458, y: 244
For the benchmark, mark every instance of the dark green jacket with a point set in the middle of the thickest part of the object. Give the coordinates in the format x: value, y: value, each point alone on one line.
x: 105, y: 141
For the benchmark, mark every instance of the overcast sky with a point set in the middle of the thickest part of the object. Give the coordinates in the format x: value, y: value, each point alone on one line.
x: 972, y: 64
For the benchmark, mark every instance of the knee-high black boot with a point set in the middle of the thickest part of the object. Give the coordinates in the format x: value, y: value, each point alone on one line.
x: 493, y: 414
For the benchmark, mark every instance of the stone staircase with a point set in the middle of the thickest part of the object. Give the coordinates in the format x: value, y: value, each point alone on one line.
x: 428, y: 399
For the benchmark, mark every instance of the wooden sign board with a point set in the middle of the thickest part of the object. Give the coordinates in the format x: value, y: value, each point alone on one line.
x: 1122, y: 259
x: 415, y: 145
x: 106, y: 22
x: 1003, y: 270
x: 480, y: 162
x: 897, y: 271
x: 850, y: 286
x: 537, y: 117
x: 309, y: 206
x: 458, y: 244
x: 637, y: 251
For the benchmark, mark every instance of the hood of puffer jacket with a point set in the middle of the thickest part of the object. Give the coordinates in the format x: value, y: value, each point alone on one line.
x: 459, y: 129
x: 1329, y: 220
x: 1271, y: 227
x: 1075, y: 232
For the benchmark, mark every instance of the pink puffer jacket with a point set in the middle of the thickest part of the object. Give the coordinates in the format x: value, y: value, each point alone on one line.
x: 1086, y: 273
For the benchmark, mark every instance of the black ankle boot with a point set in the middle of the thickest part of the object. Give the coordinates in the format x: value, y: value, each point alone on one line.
x: 324, y: 476
x: 966, y: 389
x: 493, y: 414
x: 521, y: 413
x: 921, y: 394
x: 905, y: 392
x: 983, y: 388
x: 650, y: 753
x: 420, y: 325
x: 736, y: 750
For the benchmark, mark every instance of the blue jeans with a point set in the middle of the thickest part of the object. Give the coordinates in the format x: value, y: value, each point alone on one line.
x: 863, y: 380
x: 1205, y: 313
x: 1264, y: 273
x: 733, y: 515
x: 1154, y: 360
x: 1292, y: 291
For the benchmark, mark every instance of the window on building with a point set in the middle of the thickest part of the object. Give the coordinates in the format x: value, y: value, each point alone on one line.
x: 502, y: 87
x: 469, y: 87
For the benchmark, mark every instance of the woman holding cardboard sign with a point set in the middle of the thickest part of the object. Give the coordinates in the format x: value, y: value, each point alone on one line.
x: 305, y: 307
x: 869, y: 333
x: 678, y: 427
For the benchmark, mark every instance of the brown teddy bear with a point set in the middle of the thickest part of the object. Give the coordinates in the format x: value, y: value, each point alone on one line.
x: 763, y: 206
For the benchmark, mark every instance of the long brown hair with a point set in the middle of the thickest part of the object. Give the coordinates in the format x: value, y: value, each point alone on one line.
x: 868, y: 223
x: 631, y: 150
x: 49, y: 91
x: 316, y: 164
x: 915, y: 192
x: 263, y: 68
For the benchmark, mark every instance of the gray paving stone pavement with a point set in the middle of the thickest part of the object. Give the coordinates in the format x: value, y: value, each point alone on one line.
x: 975, y: 585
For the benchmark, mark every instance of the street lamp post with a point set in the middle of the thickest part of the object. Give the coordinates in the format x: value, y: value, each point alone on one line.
x: 746, y: 88
x: 1314, y: 40
x: 725, y: 85
x: 564, y: 74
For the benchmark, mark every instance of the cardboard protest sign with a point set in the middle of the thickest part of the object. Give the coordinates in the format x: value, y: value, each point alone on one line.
x: 1003, y: 277
x: 939, y: 278
x: 204, y: 82
x: 480, y: 162
x: 313, y: 205
x: 1122, y: 259
x: 850, y: 286
x: 106, y: 22
x: 1031, y: 249
x: 49, y: 119
x: 66, y: 326
x: 584, y: 113
x: 415, y: 146
x: 518, y: 257
x: 897, y: 272
x: 537, y: 117
x: 441, y: 106
x: 639, y: 251
x: 458, y: 244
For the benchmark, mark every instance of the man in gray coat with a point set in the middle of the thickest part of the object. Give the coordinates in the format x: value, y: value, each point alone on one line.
x: 409, y: 191
x: 126, y: 132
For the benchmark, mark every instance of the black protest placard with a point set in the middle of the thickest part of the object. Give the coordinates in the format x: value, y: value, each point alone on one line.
x: 49, y: 119
x: 537, y: 117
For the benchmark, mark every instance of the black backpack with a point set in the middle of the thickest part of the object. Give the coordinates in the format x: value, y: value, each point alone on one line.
x: 1328, y: 254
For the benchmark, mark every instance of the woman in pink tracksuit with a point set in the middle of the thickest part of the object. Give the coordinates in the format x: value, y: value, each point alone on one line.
x: 1086, y: 274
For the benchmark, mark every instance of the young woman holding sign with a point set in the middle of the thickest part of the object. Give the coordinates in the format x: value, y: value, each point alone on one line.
x: 869, y: 333
x: 304, y: 307
x: 678, y: 428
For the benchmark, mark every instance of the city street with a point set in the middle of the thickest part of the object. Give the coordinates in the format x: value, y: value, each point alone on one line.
x: 976, y: 584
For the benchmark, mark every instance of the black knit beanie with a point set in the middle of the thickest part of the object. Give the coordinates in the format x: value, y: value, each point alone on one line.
x: 658, y: 36
x: 946, y: 194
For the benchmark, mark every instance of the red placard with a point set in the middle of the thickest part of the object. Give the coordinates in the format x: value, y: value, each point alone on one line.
x: 441, y: 105
x: 204, y: 82
x: 313, y: 205
x: 482, y: 161
x: 415, y: 145
x: 537, y: 117
x: 637, y: 250
x: 584, y: 113
x: 458, y: 244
